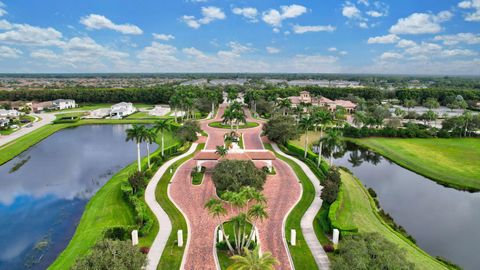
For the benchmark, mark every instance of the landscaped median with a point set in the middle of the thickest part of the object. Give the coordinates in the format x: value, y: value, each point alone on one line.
x: 220, y: 124
x: 452, y: 162
x: 356, y: 209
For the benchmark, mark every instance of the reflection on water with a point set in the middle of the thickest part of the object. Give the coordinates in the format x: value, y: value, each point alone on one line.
x: 44, y: 191
x: 444, y: 221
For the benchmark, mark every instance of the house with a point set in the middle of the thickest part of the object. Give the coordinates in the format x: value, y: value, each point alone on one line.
x: 10, y: 114
x: 62, y: 104
x: 306, y: 98
x: 4, y: 122
x: 40, y: 106
x: 121, y: 110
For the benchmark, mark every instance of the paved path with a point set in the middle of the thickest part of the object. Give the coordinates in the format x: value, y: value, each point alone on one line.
x: 306, y: 223
x: 281, y: 190
x: 161, y: 239
x: 46, y: 118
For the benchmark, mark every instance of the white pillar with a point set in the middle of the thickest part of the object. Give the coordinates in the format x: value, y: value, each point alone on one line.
x: 180, y: 238
x: 293, y: 237
x: 253, y: 237
x: 134, y: 237
x: 336, y: 235
x: 220, y: 236
x: 199, y: 168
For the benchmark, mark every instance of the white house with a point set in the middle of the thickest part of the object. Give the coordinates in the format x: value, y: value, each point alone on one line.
x: 121, y: 110
x: 9, y: 113
x: 4, y: 122
x: 62, y: 104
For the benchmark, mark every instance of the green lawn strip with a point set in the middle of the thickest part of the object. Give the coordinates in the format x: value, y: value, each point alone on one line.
x: 240, y: 142
x: 172, y: 254
x: 360, y: 210
x: 224, y: 255
x: 301, y: 254
x: 17, y: 146
x: 197, y: 178
x: 227, y: 126
x: 452, y: 162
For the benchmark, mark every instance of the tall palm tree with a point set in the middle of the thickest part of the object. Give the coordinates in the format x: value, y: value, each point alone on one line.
x: 228, y: 117
x: 150, y: 136
x: 216, y: 209
x: 221, y: 151
x: 332, y: 140
x: 253, y: 261
x: 162, y: 126
x: 256, y: 213
x: 240, y: 117
x: 285, y: 104
x: 322, y: 118
x: 136, y: 134
x: 305, y: 124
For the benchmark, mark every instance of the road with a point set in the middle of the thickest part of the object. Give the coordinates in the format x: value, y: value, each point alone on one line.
x: 45, y: 119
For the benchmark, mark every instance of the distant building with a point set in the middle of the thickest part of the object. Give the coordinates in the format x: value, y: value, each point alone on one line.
x: 41, y: 106
x: 62, y: 104
x: 198, y: 82
x: 331, y: 105
x: 225, y: 82
x: 10, y: 114
x: 4, y: 122
x: 121, y: 110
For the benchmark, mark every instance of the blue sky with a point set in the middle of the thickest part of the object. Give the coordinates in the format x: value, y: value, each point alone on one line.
x: 356, y: 36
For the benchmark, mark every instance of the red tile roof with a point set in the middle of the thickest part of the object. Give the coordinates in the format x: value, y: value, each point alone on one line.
x: 247, y: 155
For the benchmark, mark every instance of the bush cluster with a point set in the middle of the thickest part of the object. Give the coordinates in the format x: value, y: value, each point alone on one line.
x: 232, y: 175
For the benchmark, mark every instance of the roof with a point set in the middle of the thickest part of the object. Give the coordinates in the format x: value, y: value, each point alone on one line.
x: 246, y: 155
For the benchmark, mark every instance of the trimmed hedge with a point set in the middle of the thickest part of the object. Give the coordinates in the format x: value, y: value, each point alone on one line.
x: 333, y: 212
x: 311, y: 159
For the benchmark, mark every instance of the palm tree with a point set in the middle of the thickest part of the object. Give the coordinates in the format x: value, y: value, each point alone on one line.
x: 332, y: 140
x: 228, y: 117
x: 255, y: 213
x: 216, y: 209
x: 136, y: 133
x: 323, y: 118
x: 150, y: 136
x: 162, y: 126
x: 213, y: 97
x: 240, y: 117
x: 253, y: 261
x: 285, y: 104
x: 221, y: 151
x: 305, y: 124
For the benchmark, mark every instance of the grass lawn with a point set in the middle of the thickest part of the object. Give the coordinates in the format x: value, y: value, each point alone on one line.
x: 146, y: 115
x: 359, y: 209
x: 313, y: 137
x: 21, y: 144
x: 453, y: 162
x: 224, y: 255
x: 197, y: 178
x: 172, y: 254
x: 301, y: 254
x: 221, y: 125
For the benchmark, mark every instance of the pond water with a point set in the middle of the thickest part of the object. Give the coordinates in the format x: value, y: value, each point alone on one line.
x: 43, y: 191
x: 444, y: 221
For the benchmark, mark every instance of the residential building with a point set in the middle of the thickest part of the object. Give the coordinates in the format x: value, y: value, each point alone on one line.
x: 122, y: 109
x: 4, y: 122
x: 306, y: 98
x: 62, y: 104
x: 41, y: 106
x: 10, y: 114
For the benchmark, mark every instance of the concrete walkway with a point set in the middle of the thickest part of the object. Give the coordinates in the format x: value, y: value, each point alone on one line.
x: 165, y: 225
x: 46, y: 119
x: 306, y: 223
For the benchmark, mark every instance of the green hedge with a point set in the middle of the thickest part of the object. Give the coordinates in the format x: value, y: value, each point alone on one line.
x: 311, y: 159
x: 333, y: 212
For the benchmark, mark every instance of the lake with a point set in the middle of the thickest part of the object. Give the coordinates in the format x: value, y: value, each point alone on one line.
x: 444, y: 221
x: 45, y: 189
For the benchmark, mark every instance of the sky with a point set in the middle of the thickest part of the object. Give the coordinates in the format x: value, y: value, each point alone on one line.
x: 439, y: 37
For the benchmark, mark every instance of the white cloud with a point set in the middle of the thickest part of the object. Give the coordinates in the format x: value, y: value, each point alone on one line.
x: 274, y: 17
x: 364, y: 2
x: 157, y: 54
x: 209, y: 14
x: 424, y: 48
x: 163, y: 37
x: 375, y: 14
x: 301, y: 29
x: 96, y: 22
x: 313, y: 63
x: 25, y: 34
x: 236, y: 50
x: 467, y: 38
x: 421, y: 23
x: 7, y: 52
x: 272, y: 50
x: 359, y: 15
x: 458, y: 52
x: 387, y: 39
x: 3, y: 12
x: 404, y: 43
x: 332, y: 49
x: 194, y: 52
x: 350, y: 10
x: 390, y: 56
x: 5, y: 25
x: 343, y: 53
x: 471, y: 4
x: 249, y: 13
x: 44, y: 54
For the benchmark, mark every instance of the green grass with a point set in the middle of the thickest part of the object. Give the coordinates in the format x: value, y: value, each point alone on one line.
x: 301, y: 254
x: 7, y: 131
x: 197, y: 178
x: 224, y: 255
x: 359, y: 210
x: 313, y: 137
x: 453, y: 162
x: 221, y: 125
x: 172, y: 254
x: 21, y: 144
x: 146, y: 115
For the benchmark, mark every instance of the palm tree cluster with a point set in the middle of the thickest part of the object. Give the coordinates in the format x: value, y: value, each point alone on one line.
x: 186, y: 100
x: 143, y: 134
x: 234, y: 115
x: 249, y: 205
x: 253, y: 260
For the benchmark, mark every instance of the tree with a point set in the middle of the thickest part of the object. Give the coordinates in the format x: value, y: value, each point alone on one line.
x: 322, y: 118
x: 112, y: 254
x: 136, y: 134
x: 410, y: 103
x: 281, y: 129
x: 232, y: 175
x: 150, y: 137
x: 370, y: 251
x: 332, y: 141
x: 216, y: 209
x: 162, y: 126
x: 305, y: 124
x: 431, y: 103
x: 221, y: 150
x: 331, y: 185
x: 285, y: 104
x: 400, y: 113
x: 188, y: 131
x: 359, y: 118
x: 137, y: 181
x: 252, y: 260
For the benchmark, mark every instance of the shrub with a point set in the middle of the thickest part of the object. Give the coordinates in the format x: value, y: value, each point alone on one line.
x: 232, y: 175
x: 137, y: 181
x: 372, y: 192
x: 281, y: 129
x: 121, y: 233
x: 144, y: 250
x: 328, y: 248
